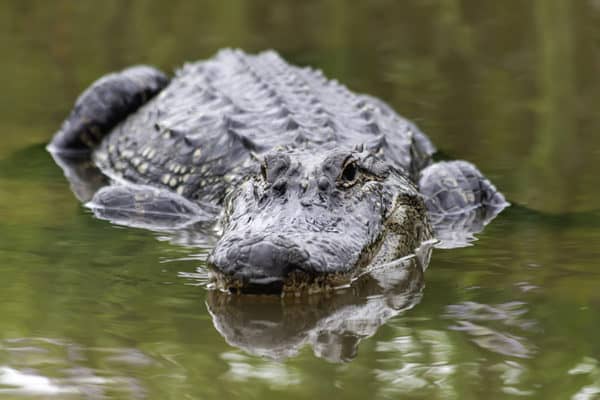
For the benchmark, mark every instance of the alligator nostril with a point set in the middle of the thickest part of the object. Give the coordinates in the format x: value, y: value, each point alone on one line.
x: 323, y: 183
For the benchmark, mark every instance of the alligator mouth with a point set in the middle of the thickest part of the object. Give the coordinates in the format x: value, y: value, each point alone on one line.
x: 295, y: 284
x: 301, y: 278
x: 255, y: 267
x: 278, y: 264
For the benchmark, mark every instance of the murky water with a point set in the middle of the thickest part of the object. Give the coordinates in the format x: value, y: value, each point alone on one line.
x: 93, y: 310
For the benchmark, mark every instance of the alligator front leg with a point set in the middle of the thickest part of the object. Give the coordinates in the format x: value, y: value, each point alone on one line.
x: 460, y: 201
x: 103, y: 105
x: 148, y: 207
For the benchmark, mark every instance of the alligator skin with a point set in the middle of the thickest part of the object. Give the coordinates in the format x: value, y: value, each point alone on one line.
x: 197, y: 136
x: 314, y: 180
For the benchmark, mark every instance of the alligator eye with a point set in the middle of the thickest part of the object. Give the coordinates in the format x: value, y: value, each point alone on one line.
x: 349, y: 174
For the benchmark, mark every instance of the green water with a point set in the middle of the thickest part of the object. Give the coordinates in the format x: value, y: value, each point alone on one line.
x: 91, y: 310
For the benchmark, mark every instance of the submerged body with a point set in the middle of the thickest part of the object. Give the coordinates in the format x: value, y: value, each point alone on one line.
x: 315, y: 182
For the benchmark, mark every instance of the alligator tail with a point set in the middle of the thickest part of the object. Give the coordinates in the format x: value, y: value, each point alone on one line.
x: 103, y: 105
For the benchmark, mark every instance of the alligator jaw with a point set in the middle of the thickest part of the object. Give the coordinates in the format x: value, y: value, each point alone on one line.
x: 296, y: 284
x: 299, y: 282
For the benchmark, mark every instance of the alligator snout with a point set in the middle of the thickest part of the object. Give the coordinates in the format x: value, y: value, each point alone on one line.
x: 261, y: 264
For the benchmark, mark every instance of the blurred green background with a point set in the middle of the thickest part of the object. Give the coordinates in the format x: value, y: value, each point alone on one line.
x: 513, y: 86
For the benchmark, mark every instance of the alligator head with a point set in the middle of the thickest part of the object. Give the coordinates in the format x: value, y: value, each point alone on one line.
x: 313, y: 220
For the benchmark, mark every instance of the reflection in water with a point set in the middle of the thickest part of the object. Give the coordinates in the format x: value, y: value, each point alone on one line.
x: 244, y: 368
x: 333, y: 325
x: 425, y: 362
x: 492, y: 339
x: 405, y: 372
x: 84, y: 177
x: 588, y: 367
x: 13, y: 381
x: 52, y: 367
x: 458, y: 230
x: 498, y: 342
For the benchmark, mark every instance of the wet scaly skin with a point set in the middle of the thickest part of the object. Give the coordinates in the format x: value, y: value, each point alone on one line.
x: 314, y: 181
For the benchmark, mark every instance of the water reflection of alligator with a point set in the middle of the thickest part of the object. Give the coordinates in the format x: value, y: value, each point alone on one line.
x: 277, y: 328
x: 316, y: 182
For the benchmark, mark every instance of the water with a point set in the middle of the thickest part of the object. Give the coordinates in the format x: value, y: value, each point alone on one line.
x: 93, y: 310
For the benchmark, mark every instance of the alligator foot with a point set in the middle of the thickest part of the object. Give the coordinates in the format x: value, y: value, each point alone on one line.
x: 460, y: 201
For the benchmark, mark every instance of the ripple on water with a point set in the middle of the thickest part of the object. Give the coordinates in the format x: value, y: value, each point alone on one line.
x: 490, y: 326
x: 60, y: 368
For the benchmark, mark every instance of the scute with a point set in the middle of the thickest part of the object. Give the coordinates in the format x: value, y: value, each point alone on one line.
x: 235, y: 105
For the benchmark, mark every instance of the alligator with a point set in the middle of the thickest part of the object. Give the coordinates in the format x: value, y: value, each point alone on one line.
x: 309, y: 184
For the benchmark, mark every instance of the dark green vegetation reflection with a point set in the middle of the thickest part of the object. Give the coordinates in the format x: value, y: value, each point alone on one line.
x: 91, y: 310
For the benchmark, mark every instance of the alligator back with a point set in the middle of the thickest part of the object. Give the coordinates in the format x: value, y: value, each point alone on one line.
x: 203, y: 131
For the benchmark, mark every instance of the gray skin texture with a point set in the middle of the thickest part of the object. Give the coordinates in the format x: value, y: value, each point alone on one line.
x: 310, y: 182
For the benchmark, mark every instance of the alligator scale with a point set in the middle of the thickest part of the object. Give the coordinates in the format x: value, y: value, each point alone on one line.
x: 309, y: 182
